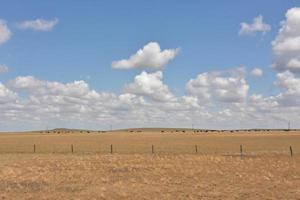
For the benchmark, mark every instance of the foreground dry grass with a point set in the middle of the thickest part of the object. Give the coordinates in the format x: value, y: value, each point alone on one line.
x: 65, y: 176
x: 174, y: 171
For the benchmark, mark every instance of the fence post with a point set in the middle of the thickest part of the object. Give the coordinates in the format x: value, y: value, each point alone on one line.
x: 72, y: 149
x: 196, y: 148
x: 291, y: 151
x: 241, y: 150
x: 34, y: 148
x: 152, y: 148
x: 111, y: 148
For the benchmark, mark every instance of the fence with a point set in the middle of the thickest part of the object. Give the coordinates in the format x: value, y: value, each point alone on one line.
x: 146, y: 149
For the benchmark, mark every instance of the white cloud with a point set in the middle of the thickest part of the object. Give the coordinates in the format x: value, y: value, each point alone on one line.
x: 3, y: 69
x: 61, y: 104
x: 291, y: 94
x: 286, y: 46
x: 257, y: 72
x: 39, y: 24
x: 264, y: 104
x: 219, y: 86
x: 150, y: 85
x: 258, y: 25
x: 150, y: 56
x: 191, y: 101
x: 37, y: 87
x: 288, y: 80
x: 214, y: 100
x: 5, y: 33
x: 294, y: 64
x: 6, y: 95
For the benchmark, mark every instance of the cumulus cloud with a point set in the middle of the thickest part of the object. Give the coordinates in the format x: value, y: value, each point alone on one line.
x: 213, y: 100
x: 258, y: 25
x: 291, y: 94
x: 36, y: 87
x: 6, y: 95
x: 39, y: 24
x: 219, y: 86
x: 59, y: 99
x: 59, y: 104
x: 257, y: 72
x: 150, y: 85
x: 3, y: 69
x: 150, y: 56
x: 286, y: 46
x: 5, y: 33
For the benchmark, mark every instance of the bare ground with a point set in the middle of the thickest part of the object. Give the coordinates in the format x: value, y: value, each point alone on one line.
x: 99, y: 176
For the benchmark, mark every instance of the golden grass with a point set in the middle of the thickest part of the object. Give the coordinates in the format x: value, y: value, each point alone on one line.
x: 167, y: 142
x: 98, y: 176
x: 174, y: 171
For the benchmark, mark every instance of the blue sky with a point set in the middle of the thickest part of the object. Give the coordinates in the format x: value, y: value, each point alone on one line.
x: 90, y: 35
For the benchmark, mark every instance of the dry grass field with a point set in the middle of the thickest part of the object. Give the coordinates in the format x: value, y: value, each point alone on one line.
x: 168, y: 141
x: 65, y: 176
x: 174, y: 171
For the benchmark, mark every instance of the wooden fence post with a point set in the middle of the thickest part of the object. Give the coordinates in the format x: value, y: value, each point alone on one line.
x: 241, y: 150
x: 196, y: 148
x: 34, y: 148
x: 291, y: 151
x: 111, y: 148
x: 152, y: 148
x: 72, y: 149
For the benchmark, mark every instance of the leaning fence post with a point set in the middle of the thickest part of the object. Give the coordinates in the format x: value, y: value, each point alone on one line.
x: 241, y: 150
x: 111, y: 148
x: 291, y: 151
x: 34, y: 148
x: 196, y: 148
x: 72, y: 149
x: 152, y: 148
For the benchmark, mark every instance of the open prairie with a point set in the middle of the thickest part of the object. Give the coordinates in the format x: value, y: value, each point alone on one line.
x: 174, y: 171
x: 141, y: 140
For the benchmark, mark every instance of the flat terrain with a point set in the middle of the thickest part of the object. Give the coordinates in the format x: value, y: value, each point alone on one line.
x: 65, y: 176
x: 141, y: 142
x: 175, y: 171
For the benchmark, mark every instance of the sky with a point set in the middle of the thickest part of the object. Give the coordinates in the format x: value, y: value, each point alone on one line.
x: 96, y: 64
